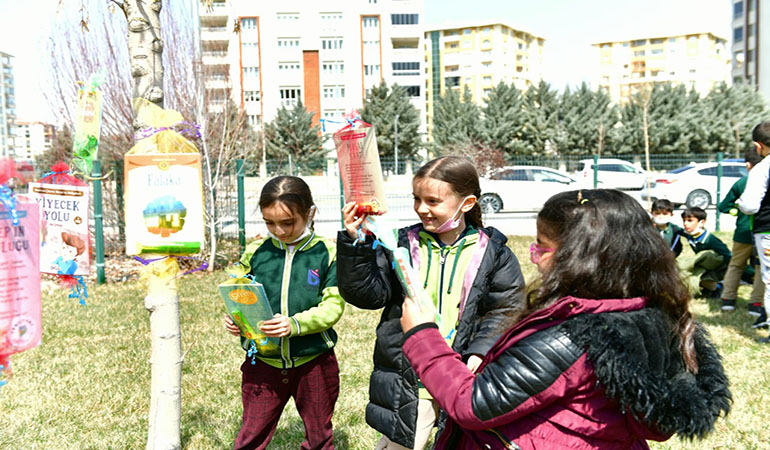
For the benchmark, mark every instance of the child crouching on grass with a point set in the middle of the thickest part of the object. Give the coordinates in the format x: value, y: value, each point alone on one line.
x: 705, y: 272
x: 299, y: 274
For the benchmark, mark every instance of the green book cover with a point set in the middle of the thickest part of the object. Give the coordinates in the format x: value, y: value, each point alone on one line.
x: 246, y: 303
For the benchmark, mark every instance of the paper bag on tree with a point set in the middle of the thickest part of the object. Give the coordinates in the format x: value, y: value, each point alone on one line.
x: 164, y: 192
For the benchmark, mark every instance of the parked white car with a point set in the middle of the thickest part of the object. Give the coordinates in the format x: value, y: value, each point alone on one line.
x: 522, y: 188
x: 613, y: 174
x: 695, y: 184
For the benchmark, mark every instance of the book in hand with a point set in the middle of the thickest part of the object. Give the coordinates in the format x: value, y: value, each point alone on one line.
x: 246, y: 303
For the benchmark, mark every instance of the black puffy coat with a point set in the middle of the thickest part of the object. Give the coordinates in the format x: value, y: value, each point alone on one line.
x: 366, y: 279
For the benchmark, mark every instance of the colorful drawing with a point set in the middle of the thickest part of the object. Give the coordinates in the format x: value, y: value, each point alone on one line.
x: 164, y: 216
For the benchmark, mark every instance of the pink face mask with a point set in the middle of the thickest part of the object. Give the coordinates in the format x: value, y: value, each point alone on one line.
x: 455, y: 220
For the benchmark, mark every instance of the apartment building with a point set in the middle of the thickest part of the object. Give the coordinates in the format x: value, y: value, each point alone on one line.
x: 327, y: 54
x: 7, y: 104
x: 751, y: 45
x: 31, y: 139
x: 697, y: 60
x: 479, y: 56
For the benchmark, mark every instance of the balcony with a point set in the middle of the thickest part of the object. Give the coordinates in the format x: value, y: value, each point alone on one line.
x: 406, y: 31
x: 215, y: 58
x: 215, y: 14
x: 215, y: 34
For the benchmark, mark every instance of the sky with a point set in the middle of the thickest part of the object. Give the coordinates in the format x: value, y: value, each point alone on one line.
x: 569, y: 27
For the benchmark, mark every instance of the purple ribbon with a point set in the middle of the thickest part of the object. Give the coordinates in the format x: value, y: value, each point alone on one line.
x: 187, y: 129
x: 204, y: 265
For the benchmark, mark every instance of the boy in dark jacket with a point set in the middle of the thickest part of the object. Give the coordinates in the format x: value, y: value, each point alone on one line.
x: 708, y: 268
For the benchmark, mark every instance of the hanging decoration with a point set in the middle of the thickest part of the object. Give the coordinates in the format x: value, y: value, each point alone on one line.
x: 20, y: 322
x: 88, y: 122
x: 65, y: 248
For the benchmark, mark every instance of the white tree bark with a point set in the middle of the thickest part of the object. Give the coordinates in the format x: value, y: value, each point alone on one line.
x: 162, y: 303
x: 145, y: 48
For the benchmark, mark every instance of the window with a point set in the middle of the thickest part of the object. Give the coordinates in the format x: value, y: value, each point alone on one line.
x: 251, y: 96
x: 488, y: 64
x: 513, y: 175
x: 372, y: 45
x: 288, y: 66
x: 657, y: 51
x: 250, y: 72
x: 451, y: 45
x: 331, y: 17
x: 333, y: 67
x: 639, y: 53
x: 467, y: 31
x: 750, y: 56
x: 656, y: 41
x: 249, y: 24
x: 639, y: 42
x: 371, y: 69
x: 371, y: 22
x: 284, y: 17
x: 671, y: 40
x: 487, y: 79
x: 246, y: 49
x: 486, y: 30
x: 334, y: 91
x: 519, y: 69
x: 333, y: 113
x: 373, y: 1
x: 254, y: 121
x: 289, y: 96
x: 413, y: 91
x: 751, y: 5
x: 692, y: 38
x: 738, y: 34
x: 738, y: 9
x: 288, y: 42
x: 654, y: 73
x: 486, y: 43
x: 406, y: 68
x: 332, y: 43
x: 404, y: 19
x: 750, y: 30
x: 451, y: 82
x: 451, y: 33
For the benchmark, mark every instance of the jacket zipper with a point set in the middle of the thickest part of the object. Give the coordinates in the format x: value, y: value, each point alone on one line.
x: 285, y: 349
x: 441, y: 278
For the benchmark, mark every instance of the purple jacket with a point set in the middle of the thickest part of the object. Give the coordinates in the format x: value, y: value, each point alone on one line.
x: 579, y: 374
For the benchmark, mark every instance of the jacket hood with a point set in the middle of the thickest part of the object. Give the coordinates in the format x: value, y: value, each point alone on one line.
x: 637, y: 360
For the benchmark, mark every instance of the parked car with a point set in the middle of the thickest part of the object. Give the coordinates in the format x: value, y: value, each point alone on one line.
x: 695, y: 184
x: 613, y: 174
x: 522, y: 188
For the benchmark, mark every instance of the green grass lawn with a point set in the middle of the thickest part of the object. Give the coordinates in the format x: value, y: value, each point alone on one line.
x: 88, y: 384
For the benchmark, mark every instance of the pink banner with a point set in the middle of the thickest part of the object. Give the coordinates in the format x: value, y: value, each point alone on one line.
x: 20, y: 321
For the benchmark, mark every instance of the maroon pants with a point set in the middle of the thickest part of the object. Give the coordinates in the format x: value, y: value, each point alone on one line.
x: 265, y: 390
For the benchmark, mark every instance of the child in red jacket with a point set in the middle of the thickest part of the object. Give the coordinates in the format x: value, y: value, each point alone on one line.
x: 606, y: 354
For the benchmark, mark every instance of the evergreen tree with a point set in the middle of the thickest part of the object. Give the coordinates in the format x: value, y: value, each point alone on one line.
x: 292, y: 137
x: 503, y: 119
x: 455, y: 121
x: 380, y: 109
x: 733, y: 113
x: 541, y: 108
x: 60, y: 150
x: 585, y: 120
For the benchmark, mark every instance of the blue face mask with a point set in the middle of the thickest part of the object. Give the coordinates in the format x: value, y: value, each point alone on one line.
x: 455, y: 220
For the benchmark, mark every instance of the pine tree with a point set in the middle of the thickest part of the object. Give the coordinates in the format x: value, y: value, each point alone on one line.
x: 539, y: 130
x: 503, y: 119
x: 293, y: 138
x: 455, y: 121
x: 381, y: 106
x: 585, y: 119
x: 734, y: 111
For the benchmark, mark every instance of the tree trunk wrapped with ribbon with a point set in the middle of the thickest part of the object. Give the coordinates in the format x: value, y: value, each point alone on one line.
x: 20, y: 322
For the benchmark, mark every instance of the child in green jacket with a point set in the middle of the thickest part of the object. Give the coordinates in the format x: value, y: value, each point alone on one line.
x: 299, y: 274
x: 708, y: 268
x: 743, y: 246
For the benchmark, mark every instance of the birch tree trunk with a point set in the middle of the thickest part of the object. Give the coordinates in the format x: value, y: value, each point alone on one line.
x: 145, y: 49
x: 166, y: 360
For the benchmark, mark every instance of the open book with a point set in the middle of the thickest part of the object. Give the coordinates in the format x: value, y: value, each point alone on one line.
x: 246, y: 303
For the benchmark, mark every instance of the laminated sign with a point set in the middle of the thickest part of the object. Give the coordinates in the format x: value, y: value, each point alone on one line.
x: 20, y: 324
x: 164, y: 203
x: 360, y: 171
x: 64, y: 246
x: 246, y: 303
